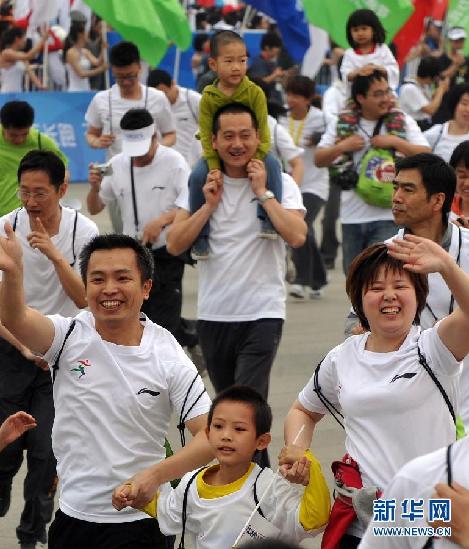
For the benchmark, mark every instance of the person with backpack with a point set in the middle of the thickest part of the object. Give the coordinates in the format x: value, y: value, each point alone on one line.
x: 394, y: 388
x: 360, y: 149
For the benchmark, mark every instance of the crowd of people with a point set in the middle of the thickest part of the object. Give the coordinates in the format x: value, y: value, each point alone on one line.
x: 234, y: 178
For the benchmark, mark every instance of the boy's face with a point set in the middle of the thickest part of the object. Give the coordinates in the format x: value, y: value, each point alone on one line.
x: 232, y: 433
x: 230, y: 64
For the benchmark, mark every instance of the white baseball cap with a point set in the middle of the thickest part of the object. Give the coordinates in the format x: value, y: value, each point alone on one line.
x: 137, y: 142
x: 456, y: 33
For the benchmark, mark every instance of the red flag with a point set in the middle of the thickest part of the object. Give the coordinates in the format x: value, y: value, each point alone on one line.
x: 411, y: 32
x: 439, y: 9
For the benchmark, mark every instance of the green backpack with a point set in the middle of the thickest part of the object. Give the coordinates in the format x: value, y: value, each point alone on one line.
x: 377, y: 172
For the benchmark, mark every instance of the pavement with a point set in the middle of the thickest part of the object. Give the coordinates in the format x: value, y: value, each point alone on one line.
x: 312, y: 328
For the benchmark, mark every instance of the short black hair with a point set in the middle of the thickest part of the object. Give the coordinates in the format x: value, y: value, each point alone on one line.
x: 17, y: 114
x: 232, y: 108
x: 437, y: 176
x: 364, y: 270
x: 10, y: 35
x: 223, y: 38
x: 113, y: 242
x: 368, y: 18
x: 199, y: 40
x: 361, y: 84
x: 134, y: 119
x: 124, y: 54
x: 247, y: 395
x: 301, y: 85
x: 460, y: 155
x: 157, y: 77
x: 429, y: 67
x: 454, y: 97
x: 43, y: 161
x: 271, y: 40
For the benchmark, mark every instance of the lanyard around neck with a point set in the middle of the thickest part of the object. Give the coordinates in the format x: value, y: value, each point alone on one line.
x: 296, y: 135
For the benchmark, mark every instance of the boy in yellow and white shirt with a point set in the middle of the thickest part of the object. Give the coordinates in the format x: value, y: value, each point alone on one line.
x: 214, y: 504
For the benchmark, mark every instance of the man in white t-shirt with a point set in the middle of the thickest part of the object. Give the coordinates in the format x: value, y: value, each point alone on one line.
x: 416, y: 96
x: 416, y: 483
x: 109, y: 106
x: 117, y: 378
x: 149, y: 182
x: 364, y: 224
x: 184, y: 106
x: 51, y: 238
x: 241, y: 297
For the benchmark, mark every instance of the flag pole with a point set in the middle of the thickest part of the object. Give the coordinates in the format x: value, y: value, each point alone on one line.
x: 45, y: 60
x: 248, y: 13
x: 177, y: 57
x: 107, y: 79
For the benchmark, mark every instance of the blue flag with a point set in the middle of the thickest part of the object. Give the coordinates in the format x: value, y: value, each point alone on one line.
x: 291, y: 23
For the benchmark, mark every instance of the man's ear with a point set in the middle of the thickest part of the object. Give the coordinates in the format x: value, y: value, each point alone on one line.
x: 263, y: 441
x: 146, y: 288
x: 438, y: 200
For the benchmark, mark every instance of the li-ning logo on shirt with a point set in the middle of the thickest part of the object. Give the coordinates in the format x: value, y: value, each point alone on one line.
x: 408, y: 375
x: 148, y: 392
x: 80, y: 367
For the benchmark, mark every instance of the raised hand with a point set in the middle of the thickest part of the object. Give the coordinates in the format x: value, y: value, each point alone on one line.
x: 420, y: 255
x: 14, y: 426
x: 39, y: 239
x: 10, y: 250
x: 258, y: 176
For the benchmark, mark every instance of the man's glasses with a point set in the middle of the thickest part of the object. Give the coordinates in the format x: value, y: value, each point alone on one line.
x: 26, y: 195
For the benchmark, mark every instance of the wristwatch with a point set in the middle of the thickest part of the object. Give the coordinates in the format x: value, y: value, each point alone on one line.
x: 266, y: 196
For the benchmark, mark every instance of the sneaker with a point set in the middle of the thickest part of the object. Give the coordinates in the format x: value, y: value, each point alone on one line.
x: 199, y: 256
x: 269, y: 234
x: 5, y: 498
x: 329, y: 264
x: 297, y: 291
x: 315, y: 294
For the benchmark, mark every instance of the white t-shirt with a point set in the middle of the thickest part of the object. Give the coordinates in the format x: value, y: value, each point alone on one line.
x: 207, y: 518
x: 381, y: 55
x: 107, y: 428
x: 186, y: 113
x: 412, y: 97
x: 333, y: 101
x: 282, y: 145
x: 417, y: 480
x: 108, y: 107
x: 159, y: 187
x: 244, y: 277
x: 353, y: 209
x: 389, y: 418
x: 441, y: 142
x: 42, y: 287
x: 315, y: 180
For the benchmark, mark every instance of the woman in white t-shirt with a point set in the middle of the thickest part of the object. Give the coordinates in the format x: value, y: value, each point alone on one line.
x: 444, y: 138
x: 395, y: 386
x: 14, y: 62
x: 79, y: 60
x: 366, y: 36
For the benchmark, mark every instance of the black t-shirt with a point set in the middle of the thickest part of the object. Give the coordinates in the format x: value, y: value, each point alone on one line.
x: 462, y: 74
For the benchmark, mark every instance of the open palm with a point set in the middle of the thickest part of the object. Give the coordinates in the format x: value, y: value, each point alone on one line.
x: 419, y: 255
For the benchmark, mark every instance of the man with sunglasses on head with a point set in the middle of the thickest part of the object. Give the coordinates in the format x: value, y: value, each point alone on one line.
x: 51, y: 237
x: 109, y: 106
x: 17, y: 137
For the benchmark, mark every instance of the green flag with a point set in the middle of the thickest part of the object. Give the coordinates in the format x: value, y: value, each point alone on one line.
x: 150, y: 24
x: 458, y: 16
x: 332, y: 15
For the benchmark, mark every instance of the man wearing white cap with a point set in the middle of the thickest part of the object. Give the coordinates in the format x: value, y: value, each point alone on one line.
x: 453, y: 63
x: 149, y: 181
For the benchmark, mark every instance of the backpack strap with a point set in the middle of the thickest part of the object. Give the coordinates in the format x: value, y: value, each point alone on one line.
x: 15, y: 220
x: 184, y: 413
x: 440, y: 133
x: 74, y: 233
x: 184, y: 506
x: 435, y: 380
x: 327, y: 403
x: 55, y: 366
x: 256, y: 499
x: 39, y: 140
